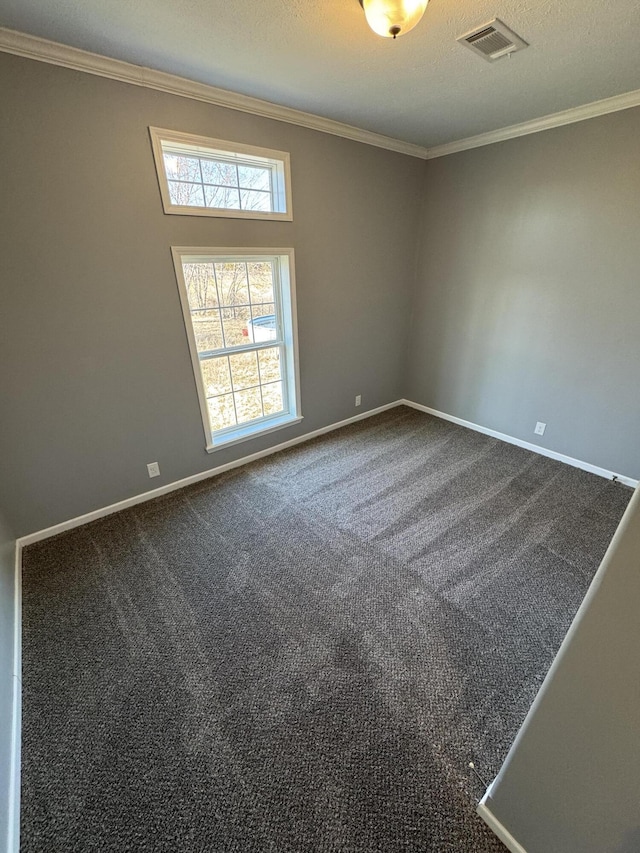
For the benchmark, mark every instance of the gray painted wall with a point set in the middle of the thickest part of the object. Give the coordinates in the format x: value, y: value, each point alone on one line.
x: 527, y: 305
x: 94, y: 352
x: 570, y: 783
x: 526, y: 308
x: 7, y: 626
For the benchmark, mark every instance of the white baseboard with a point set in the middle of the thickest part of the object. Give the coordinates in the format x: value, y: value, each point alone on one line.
x: 39, y: 535
x: 13, y: 838
x: 527, y: 445
x: 496, y: 827
x: 483, y: 809
x: 13, y: 834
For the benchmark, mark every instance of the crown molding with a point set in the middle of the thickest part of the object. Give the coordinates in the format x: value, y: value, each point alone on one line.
x: 43, y: 50
x: 536, y: 125
x: 54, y: 53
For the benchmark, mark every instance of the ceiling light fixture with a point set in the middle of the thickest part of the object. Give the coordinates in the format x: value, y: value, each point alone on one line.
x: 391, y: 18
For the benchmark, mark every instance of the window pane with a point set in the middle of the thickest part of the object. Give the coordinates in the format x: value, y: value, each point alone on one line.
x: 221, y: 412
x: 269, y: 360
x: 182, y: 168
x: 254, y: 178
x: 244, y: 370
x: 216, y: 376
x: 226, y: 197
x: 201, y: 285
x: 263, y: 323
x: 260, y: 281
x: 219, y: 173
x: 236, y: 326
x: 207, y: 330
x: 248, y: 405
x: 212, y: 175
x: 237, y: 303
x: 186, y: 194
x: 255, y: 200
x: 232, y: 283
x: 272, y: 396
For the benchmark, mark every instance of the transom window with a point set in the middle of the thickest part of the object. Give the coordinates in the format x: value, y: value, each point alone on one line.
x: 208, y: 177
x: 239, y: 310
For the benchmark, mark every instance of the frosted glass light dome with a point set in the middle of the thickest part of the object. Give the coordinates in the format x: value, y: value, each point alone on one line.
x: 391, y: 18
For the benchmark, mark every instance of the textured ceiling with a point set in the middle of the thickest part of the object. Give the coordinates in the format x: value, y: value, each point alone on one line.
x: 322, y: 58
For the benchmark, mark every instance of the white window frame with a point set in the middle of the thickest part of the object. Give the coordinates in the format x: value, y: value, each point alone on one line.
x: 285, y: 301
x: 278, y: 162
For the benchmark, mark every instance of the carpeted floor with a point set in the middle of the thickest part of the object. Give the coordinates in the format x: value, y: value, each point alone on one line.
x: 303, y: 655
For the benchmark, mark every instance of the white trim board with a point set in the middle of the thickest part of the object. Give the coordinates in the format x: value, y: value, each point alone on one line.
x: 39, y: 535
x: 536, y: 125
x: 496, y: 827
x: 483, y: 810
x: 54, y: 53
x: 13, y: 835
x: 536, y: 448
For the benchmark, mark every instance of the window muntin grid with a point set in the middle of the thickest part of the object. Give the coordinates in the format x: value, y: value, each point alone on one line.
x: 200, y: 176
x: 199, y: 181
x: 246, y: 393
x: 244, y: 373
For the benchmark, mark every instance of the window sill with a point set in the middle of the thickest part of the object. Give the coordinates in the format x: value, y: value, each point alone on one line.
x: 252, y: 431
x: 227, y: 212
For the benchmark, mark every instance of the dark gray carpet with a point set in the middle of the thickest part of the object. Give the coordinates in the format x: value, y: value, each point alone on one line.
x: 304, y: 654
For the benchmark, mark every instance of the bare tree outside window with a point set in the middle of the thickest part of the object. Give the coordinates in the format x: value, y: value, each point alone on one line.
x: 204, y: 182
x: 226, y: 298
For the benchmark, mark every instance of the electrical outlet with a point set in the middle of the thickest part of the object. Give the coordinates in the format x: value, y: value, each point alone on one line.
x: 540, y: 428
x: 154, y: 469
x: 358, y: 399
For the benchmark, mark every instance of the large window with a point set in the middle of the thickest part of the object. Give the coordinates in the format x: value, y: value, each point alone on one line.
x: 239, y: 311
x: 199, y: 176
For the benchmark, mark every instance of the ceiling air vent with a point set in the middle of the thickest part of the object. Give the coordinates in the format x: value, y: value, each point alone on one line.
x: 493, y: 41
